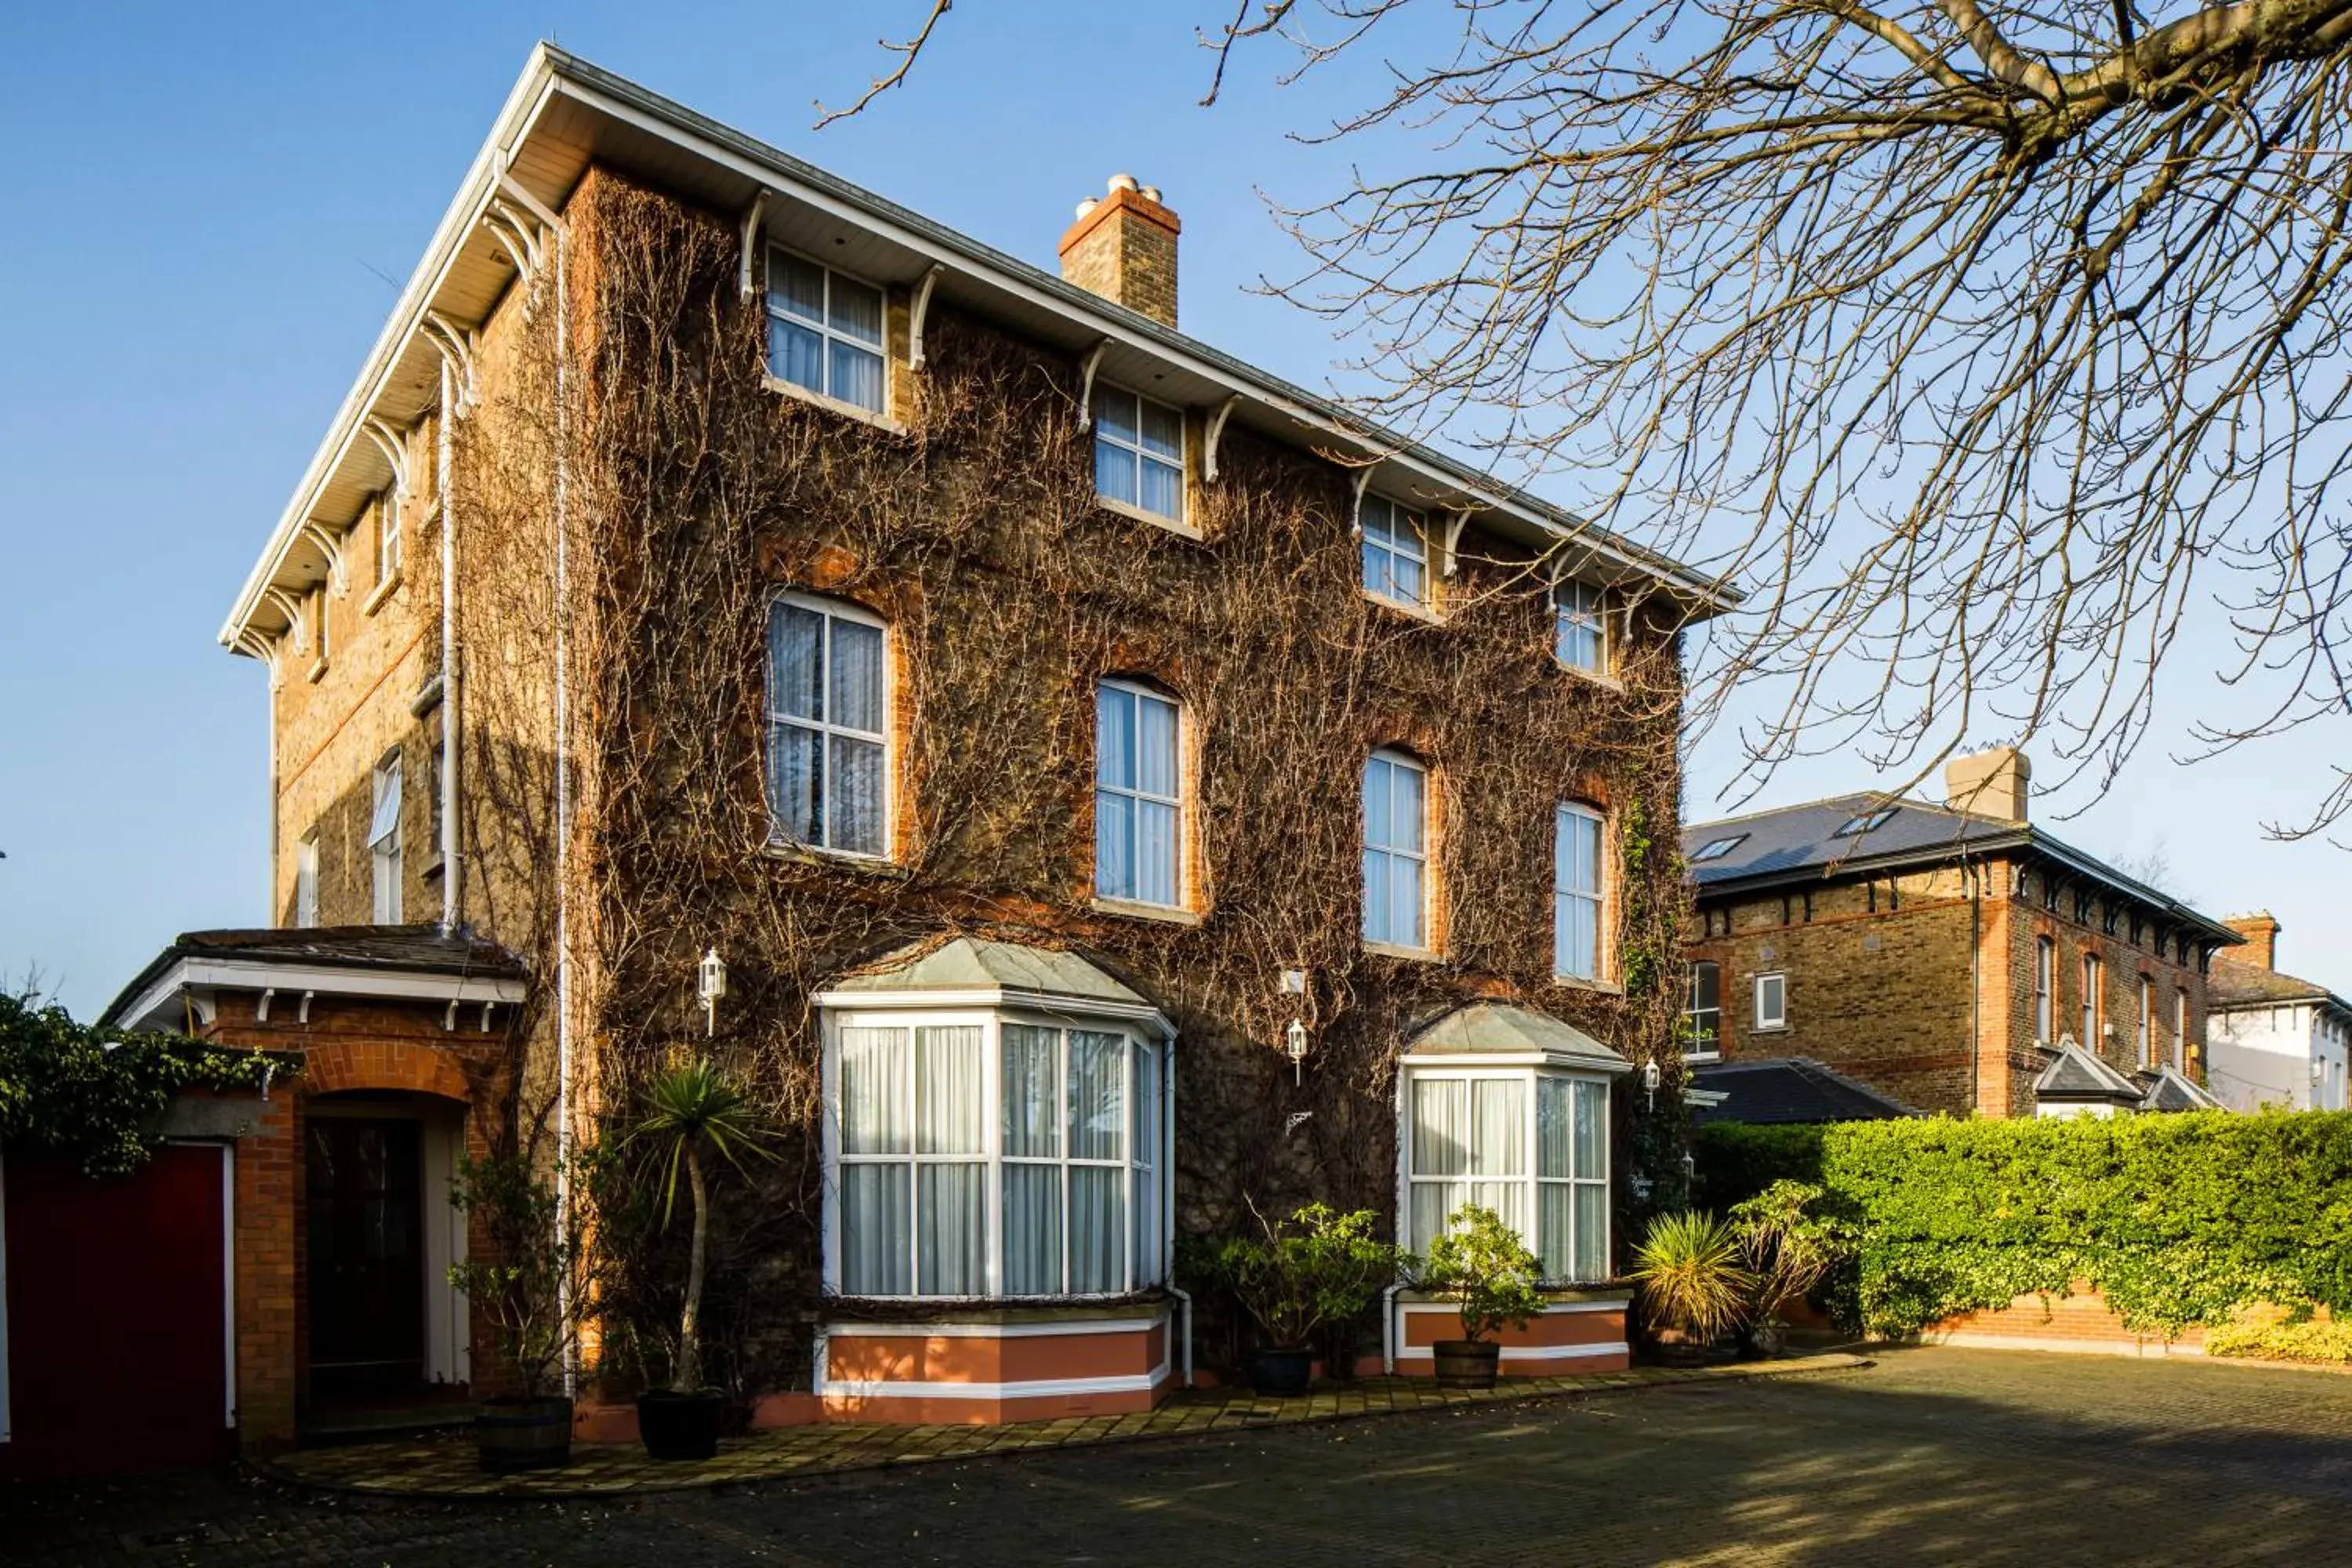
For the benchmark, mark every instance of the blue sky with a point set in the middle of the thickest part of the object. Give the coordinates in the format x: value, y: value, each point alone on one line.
x: 210, y: 210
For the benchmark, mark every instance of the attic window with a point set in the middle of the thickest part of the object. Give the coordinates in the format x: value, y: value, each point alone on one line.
x: 1716, y: 848
x: 1855, y: 826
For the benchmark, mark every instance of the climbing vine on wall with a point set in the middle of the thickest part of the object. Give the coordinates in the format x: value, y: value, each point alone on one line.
x: 98, y: 1096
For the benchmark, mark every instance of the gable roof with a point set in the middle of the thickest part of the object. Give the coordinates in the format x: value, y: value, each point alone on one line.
x: 565, y: 113
x: 2168, y: 1089
x: 1800, y: 843
x: 1764, y: 1090
x: 1504, y: 1029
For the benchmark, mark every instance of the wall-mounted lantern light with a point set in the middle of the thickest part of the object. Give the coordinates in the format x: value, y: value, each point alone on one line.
x: 710, y: 985
x: 1294, y: 1040
x: 1650, y: 1077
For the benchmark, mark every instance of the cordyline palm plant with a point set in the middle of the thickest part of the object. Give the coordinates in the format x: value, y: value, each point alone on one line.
x: 1688, y: 1268
x: 690, y: 1108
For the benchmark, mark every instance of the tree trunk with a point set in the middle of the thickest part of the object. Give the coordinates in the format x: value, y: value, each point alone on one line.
x: 689, y: 1330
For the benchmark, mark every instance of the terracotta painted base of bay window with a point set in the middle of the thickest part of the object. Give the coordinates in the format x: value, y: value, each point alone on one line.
x: 1038, y: 1365
x: 1579, y: 1331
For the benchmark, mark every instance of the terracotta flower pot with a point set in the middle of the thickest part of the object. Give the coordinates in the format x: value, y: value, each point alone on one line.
x: 1466, y: 1364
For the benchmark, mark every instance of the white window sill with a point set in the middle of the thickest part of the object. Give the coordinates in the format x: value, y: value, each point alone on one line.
x: 1702, y: 1056
x: 838, y: 859
x: 1167, y: 914
x: 1410, y: 954
x: 1578, y: 983
x: 1779, y: 1028
x: 1404, y: 607
x: 1605, y: 681
x: 1175, y: 525
x: 850, y: 410
x: 383, y: 591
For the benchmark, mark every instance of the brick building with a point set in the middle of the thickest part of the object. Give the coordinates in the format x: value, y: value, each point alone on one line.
x: 1946, y: 954
x: 1122, y: 788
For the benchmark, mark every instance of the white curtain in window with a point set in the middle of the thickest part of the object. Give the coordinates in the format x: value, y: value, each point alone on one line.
x: 1148, y: 1175
x: 1441, y: 1148
x: 385, y: 821
x: 1555, y: 1139
x: 1097, y: 1128
x: 1576, y: 894
x: 1395, y: 814
x: 1498, y: 1148
x: 950, y: 1199
x: 877, y: 1198
x: 1592, y: 1181
x: 1032, y: 1131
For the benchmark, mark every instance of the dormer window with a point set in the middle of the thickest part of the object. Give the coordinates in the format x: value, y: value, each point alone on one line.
x: 1716, y: 848
x: 1856, y: 826
x: 825, y: 331
x: 1139, y: 453
x: 1395, y: 552
x: 1579, y: 629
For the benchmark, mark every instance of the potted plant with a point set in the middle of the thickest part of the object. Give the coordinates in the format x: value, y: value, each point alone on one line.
x: 1693, y: 1287
x: 527, y: 1291
x: 1786, y: 1248
x: 1318, y: 1268
x: 1481, y: 1263
x: 690, y: 1110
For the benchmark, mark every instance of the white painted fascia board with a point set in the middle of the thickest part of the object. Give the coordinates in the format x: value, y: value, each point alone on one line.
x: 251, y: 974
x: 465, y: 211
x: 997, y: 997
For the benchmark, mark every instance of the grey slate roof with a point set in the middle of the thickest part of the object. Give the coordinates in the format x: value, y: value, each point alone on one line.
x: 2168, y: 1089
x: 1773, y: 1090
x: 2074, y: 1074
x: 2232, y: 985
x: 1798, y: 844
x: 978, y: 964
x: 405, y: 949
x: 1501, y: 1028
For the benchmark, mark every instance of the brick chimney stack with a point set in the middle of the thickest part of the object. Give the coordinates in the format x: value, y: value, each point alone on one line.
x: 1989, y: 783
x: 1123, y: 247
x: 2261, y: 931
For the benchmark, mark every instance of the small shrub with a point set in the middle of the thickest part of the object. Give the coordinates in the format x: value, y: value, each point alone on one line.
x: 1788, y: 1246
x: 1320, y: 1269
x: 2283, y: 1339
x: 1690, y: 1277
x: 1486, y: 1269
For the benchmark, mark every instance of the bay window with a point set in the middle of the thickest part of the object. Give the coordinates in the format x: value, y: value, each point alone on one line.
x: 996, y: 1155
x: 828, y: 773
x: 1532, y: 1144
x: 825, y: 331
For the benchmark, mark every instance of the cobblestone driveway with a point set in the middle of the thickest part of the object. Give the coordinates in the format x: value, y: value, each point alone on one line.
x: 1935, y: 1456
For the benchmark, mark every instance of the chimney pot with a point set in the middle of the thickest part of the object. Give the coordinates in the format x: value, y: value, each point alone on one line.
x: 1993, y: 782
x: 1123, y: 247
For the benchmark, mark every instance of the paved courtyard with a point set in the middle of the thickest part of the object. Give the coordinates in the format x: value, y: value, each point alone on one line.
x: 1931, y: 1456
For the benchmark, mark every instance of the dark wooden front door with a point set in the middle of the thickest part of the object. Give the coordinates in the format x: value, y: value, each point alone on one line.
x: 367, y: 1257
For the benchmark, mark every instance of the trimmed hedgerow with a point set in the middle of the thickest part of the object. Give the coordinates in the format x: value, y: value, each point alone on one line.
x: 2176, y: 1220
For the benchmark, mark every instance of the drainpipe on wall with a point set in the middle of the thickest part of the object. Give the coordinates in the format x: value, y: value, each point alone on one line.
x: 451, y: 897
x: 563, y: 788
x: 1388, y: 1329
x: 1975, y: 874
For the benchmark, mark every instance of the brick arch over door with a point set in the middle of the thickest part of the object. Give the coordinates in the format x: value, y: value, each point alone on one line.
x: 387, y: 1065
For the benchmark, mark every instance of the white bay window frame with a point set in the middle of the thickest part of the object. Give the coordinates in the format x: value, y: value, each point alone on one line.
x: 1530, y: 1179
x: 1147, y: 1192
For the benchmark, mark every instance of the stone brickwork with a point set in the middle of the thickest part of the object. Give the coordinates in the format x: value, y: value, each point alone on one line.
x: 1124, y: 248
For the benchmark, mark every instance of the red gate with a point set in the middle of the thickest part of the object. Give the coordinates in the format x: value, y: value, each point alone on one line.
x: 117, y: 1314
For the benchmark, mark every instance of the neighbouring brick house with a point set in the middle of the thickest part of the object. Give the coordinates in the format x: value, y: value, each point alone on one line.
x: 1120, y: 787
x: 1952, y: 956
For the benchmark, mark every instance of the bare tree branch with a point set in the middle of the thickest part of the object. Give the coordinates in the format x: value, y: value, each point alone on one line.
x: 907, y: 53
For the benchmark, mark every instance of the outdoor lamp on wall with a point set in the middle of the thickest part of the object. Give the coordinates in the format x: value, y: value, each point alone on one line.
x: 1294, y: 1040
x: 1650, y: 1076
x: 711, y: 984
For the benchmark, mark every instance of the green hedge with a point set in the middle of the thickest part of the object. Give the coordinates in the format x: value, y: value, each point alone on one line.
x: 2177, y: 1219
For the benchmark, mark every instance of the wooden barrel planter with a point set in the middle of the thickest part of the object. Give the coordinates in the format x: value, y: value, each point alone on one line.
x: 518, y: 1432
x: 1466, y: 1363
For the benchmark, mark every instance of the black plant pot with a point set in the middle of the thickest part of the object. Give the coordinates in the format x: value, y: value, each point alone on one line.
x: 1281, y: 1374
x: 675, y: 1425
x: 516, y: 1432
x: 1466, y: 1363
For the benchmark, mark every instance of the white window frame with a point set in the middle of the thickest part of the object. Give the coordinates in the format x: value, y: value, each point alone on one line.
x: 1597, y: 897
x: 384, y: 850
x: 1584, y: 606
x: 2094, y: 985
x: 2146, y: 1021
x: 1422, y: 856
x: 825, y: 729
x: 827, y: 334
x: 1136, y: 793
x: 1389, y: 541
x: 1703, y: 1048
x: 1777, y: 1018
x: 2045, y: 990
x: 1142, y: 455
x: 1434, y: 1068
x: 1716, y: 848
x: 1139, y: 1272
x: 306, y: 880
x: 388, y: 545
x: 2180, y: 1028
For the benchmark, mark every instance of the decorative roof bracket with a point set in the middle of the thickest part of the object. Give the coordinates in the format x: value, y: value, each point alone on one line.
x: 1086, y: 368
x: 1460, y: 519
x: 387, y: 441
x: 331, y: 545
x: 1363, y: 478
x: 917, y: 315
x: 751, y: 216
x: 456, y: 346
x: 292, y: 608
x: 1216, y: 432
